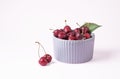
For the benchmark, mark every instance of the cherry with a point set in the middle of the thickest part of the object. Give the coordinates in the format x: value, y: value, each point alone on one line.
x: 62, y: 35
x: 43, y: 61
x: 78, y: 36
x: 67, y: 28
x: 84, y: 29
x: 71, y: 33
x: 71, y: 37
x: 56, y: 32
x: 77, y: 30
x: 48, y: 57
x: 87, y: 35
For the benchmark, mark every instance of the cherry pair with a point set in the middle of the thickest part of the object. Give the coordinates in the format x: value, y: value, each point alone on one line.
x: 44, y: 60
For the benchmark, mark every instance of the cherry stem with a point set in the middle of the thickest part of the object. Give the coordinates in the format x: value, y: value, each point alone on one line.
x: 78, y: 24
x: 39, y: 48
x: 65, y: 22
x: 51, y: 29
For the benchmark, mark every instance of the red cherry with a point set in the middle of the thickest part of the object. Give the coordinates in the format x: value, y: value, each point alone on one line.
x: 84, y: 29
x: 43, y: 61
x: 71, y: 37
x: 48, y: 57
x: 78, y: 36
x: 77, y: 30
x: 62, y: 35
x: 67, y: 29
x: 87, y: 35
x: 56, y: 32
x: 71, y: 33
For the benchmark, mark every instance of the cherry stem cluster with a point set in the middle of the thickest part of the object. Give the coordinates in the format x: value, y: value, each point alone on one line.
x: 39, y: 48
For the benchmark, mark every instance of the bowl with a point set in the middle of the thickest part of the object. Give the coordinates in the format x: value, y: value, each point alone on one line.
x: 73, y: 51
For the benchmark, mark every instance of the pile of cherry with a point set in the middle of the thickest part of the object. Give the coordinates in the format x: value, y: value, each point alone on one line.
x: 67, y: 33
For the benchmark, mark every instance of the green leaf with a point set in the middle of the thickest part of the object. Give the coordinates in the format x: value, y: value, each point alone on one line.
x: 92, y: 26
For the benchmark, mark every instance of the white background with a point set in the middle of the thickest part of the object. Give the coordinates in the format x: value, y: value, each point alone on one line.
x: 22, y: 22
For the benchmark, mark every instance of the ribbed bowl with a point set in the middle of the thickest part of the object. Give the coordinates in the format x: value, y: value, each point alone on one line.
x: 73, y: 51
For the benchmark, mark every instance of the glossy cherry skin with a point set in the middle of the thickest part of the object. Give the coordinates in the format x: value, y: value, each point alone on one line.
x: 71, y: 37
x: 48, y: 57
x: 67, y: 29
x: 87, y: 35
x: 62, y: 35
x: 71, y: 33
x: 78, y: 36
x: 43, y: 61
x: 56, y: 32
x: 84, y: 29
x: 77, y: 30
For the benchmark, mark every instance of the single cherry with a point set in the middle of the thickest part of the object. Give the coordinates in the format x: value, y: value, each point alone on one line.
x: 71, y: 33
x: 48, y: 57
x: 67, y: 28
x: 56, y: 32
x: 77, y: 30
x: 43, y: 61
x: 62, y: 35
x: 78, y: 36
x: 71, y: 37
x: 84, y: 29
x: 87, y: 35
